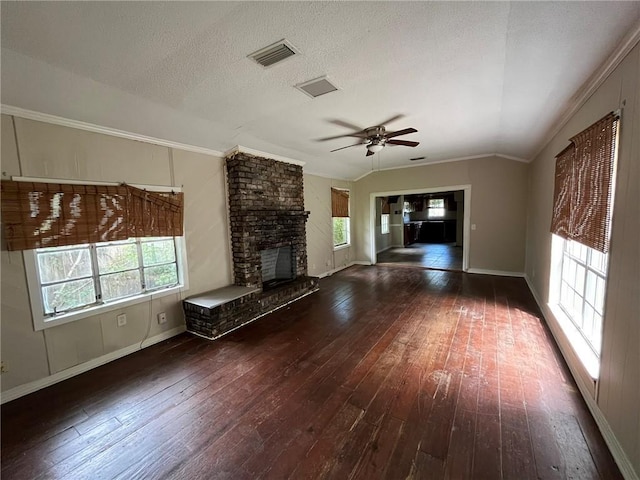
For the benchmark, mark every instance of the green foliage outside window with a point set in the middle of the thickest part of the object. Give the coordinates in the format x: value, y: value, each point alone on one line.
x: 84, y: 275
x: 340, y: 231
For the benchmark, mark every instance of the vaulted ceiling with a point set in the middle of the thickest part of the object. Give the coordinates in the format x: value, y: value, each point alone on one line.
x: 473, y: 78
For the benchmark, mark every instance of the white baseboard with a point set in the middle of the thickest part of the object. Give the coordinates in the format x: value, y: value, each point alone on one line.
x: 27, y: 388
x: 361, y: 262
x: 500, y: 273
x: 620, y: 457
x: 335, y: 270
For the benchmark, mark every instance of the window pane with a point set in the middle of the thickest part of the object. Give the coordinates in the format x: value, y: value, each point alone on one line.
x: 384, y: 223
x: 64, y: 265
x: 579, y: 285
x: 68, y: 295
x: 162, y: 251
x: 597, y: 333
x: 582, y: 289
x: 122, y: 284
x: 436, y: 212
x: 588, y: 321
x: 340, y: 231
x: 117, y: 257
x: 598, y: 261
x: 600, y: 283
x: 161, y: 276
x: 590, y: 293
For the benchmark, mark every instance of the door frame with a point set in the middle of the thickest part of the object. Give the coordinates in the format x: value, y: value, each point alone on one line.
x: 466, y: 228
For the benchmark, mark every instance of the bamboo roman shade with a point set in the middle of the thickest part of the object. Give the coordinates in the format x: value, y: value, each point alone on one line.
x: 154, y: 214
x: 386, y: 207
x: 584, y: 185
x: 339, y: 203
x: 37, y: 215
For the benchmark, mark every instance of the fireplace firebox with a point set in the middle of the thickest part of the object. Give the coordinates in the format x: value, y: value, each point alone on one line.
x: 277, y: 266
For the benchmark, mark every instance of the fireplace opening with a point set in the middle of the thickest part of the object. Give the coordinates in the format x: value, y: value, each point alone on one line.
x: 277, y: 266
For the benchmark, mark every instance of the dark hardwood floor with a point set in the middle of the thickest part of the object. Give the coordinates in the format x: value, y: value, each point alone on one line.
x: 384, y: 373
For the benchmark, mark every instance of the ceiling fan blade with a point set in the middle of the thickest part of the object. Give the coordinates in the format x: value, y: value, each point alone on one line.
x: 362, y: 134
x: 401, y: 132
x: 392, y: 119
x: 406, y: 143
x: 369, y: 153
x: 342, y: 123
x: 348, y: 146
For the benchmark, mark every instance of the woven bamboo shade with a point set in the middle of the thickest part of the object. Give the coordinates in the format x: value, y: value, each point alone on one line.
x: 154, y: 214
x: 561, y: 218
x: 584, y: 185
x: 386, y: 207
x: 339, y: 203
x: 37, y: 215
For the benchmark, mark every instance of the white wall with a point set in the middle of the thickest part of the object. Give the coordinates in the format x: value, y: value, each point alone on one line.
x: 383, y: 240
x: 396, y: 221
x: 321, y: 257
x: 617, y: 399
x: 498, y: 206
x: 50, y: 151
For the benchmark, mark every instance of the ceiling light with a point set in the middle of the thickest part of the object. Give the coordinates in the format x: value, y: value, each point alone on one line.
x: 375, y: 147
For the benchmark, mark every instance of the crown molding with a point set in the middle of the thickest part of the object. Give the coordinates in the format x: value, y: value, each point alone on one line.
x: 90, y: 127
x: 591, y: 85
x: 446, y: 160
x: 258, y: 153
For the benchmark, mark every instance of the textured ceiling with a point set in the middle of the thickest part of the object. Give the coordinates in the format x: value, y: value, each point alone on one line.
x: 473, y: 78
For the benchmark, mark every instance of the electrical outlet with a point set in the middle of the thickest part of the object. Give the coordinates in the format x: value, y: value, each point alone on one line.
x: 473, y: 226
x: 162, y: 317
x: 122, y: 320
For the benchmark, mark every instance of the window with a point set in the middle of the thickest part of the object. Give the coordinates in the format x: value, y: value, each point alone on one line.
x: 581, y: 224
x: 341, y: 231
x: 436, y: 208
x: 582, y: 285
x: 340, y: 217
x: 384, y: 223
x: 72, y: 282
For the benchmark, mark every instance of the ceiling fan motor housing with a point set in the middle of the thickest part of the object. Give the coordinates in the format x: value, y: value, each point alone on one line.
x: 376, y: 136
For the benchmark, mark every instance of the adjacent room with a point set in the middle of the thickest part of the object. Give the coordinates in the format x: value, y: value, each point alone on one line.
x: 319, y: 239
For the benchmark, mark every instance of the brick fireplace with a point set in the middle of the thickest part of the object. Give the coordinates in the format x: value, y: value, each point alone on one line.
x: 266, y: 211
x: 268, y: 242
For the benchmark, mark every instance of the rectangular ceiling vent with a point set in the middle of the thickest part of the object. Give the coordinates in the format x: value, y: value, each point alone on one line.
x: 315, y: 88
x: 273, y: 54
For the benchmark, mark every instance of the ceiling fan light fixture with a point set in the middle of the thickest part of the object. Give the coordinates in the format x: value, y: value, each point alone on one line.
x: 375, y: 147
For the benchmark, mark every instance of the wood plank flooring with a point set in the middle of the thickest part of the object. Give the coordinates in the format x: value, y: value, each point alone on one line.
x: 384, y: 373
x: 438, y: 256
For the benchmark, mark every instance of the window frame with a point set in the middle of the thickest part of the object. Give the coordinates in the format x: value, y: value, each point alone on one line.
x: 43, y: 321
x: 588, y: 354
x: 347, y: 220
x: 581, y: 291
x: 347, y: 243
x: 385, y: 219
x: 431, y: 209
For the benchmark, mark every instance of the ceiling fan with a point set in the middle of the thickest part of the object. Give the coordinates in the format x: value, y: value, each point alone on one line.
x: 374, y: 138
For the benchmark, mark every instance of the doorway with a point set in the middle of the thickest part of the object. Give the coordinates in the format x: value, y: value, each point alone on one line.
x: 426, y: 229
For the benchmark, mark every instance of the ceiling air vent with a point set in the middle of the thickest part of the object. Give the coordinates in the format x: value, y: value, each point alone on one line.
x: 417, y: 159
x: 273, y: 54
x: 315, y: 88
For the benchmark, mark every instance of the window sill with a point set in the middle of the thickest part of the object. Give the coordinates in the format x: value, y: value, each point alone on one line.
x: 582, y: 349
x: 341, y: 247
x: 42, y: 323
